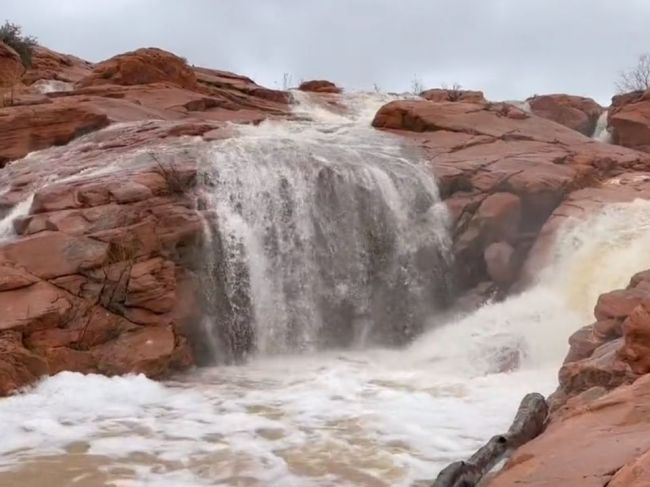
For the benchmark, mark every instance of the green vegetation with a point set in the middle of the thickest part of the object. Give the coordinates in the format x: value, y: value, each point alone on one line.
x: 11, y: 34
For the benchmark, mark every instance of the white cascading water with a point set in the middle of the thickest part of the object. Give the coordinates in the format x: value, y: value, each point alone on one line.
x: 601, y: 131
x: 363, y: 417
x: 7, y: 231
x: 329, y: 233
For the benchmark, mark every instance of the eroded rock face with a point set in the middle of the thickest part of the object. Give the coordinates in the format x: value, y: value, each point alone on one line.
x: 599, y: 423
x: 98, y: 277
x: 502, y: 173
x: 629, y: 120
x: 50, y: 65
x: 11, y: 67
x: 576, y: 112
x: 602, y: 442
x: 27, y: 128
x: 141, y: 85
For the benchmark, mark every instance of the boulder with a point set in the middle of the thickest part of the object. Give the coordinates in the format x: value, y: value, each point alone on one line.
x: 140, y: 67
x: 620, y: 303
x: 603, y: 368
x: 19, y: 367
x: 630, y: 121
x: 636, y: 333
x: 319, y: 86
x: 148, y: 350
x: 576, y: 112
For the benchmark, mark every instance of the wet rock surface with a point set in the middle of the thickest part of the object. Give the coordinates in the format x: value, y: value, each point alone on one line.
x: 575, y: 112
x: 503, y: 172
x: 529, y: 422
x: 598, y: 427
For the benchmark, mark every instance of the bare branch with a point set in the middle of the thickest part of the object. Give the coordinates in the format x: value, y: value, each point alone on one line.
x: 637, y: 78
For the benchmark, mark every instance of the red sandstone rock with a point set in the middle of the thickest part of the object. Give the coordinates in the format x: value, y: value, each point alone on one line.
x: 50, y: 65
x: 588, y: 447
x: 319, y: 86
x: 619, y: 304
x: 596, y: 438
x: 94, y: 282
x: 141, y: 67
x: 444, y: 94
x: 477, y: 150
x: 25, y: 128
x: 148, y: 351
x: 602, y: 368
x: 152, y: 285
x: 636, y: 330
x: 634, y: 474
x: 19, y: 367
x: 12, y: 278
x: 578, y: 205
x: 11, y: 68
x: 576, y: 112
x: 74, y: 254
x: 141, y: 85
x: 630, y: 121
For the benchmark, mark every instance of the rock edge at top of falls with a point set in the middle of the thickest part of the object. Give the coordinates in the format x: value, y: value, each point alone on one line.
x: 101, y: 275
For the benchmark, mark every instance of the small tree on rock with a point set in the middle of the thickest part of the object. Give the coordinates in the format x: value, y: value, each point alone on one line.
x: 416, y: 86
x: 11, y: 34
x: 637, y: 78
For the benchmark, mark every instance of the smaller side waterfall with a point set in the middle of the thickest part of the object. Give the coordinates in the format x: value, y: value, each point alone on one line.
x: 601, y: 131
x: 323, y: 233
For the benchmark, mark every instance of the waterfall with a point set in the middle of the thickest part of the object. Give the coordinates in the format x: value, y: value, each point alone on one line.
x: 530, y: 330
x: 322, y: 232
x: 7, y: 231
x: 601, y: 131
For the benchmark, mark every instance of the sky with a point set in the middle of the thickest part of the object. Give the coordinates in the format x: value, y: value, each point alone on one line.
x: 510, y: 49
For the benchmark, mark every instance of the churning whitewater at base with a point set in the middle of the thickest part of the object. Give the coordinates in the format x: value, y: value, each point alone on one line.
x: 370, y: 416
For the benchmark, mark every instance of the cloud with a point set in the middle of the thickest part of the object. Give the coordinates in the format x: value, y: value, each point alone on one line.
x: 509, y: 48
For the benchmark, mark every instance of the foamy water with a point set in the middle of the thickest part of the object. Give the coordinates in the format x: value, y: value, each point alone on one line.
x: 364, y: 417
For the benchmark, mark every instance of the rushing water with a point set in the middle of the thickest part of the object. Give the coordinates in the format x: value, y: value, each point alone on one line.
x: 366, y: 416
x: 601, y: 131
x: 325, y: 232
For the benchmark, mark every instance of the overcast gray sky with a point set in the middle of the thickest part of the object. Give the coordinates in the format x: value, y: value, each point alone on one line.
x: 509, y: 48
